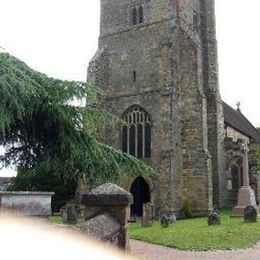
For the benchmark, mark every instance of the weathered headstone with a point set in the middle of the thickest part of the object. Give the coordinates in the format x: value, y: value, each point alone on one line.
x: 164, y: 221
x: 172, y: 219
x: 214, y: 219
x: 147, y: 218
x: 250, y: 214
x: 72, y: 215
x: 64, y: 214
x: 167, y: 220
x: 107, y: 209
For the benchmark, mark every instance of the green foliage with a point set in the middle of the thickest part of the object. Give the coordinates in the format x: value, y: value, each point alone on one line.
x: 186, y: 209
x: 195, y: 234
x: 255, y: 159
x: 56, y: 219
x: 43, y: 133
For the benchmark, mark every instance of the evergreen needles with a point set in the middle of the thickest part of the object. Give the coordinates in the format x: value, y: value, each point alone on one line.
x: 43, y: 132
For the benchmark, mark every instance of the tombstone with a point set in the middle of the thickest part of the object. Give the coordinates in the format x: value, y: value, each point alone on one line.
x: 172, y: 219
x: 64, y: 214
x: 108, y: 205
x: 147, y: 218
x: 214, y: 219
x: 72, y: 215
x: 250, y: 214
x: 167, y: 220
x: 164, y: 221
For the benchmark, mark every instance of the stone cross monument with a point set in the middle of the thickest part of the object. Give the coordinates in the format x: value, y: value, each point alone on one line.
x: 246, y: 195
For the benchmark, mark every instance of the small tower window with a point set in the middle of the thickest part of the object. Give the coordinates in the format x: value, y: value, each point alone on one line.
x: 141, y: 14
x: 137, y: 14
x: 134, y: 16
x: 196, y: 22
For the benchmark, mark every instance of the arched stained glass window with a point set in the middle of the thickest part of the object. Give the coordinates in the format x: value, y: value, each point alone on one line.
x: 136, y: 132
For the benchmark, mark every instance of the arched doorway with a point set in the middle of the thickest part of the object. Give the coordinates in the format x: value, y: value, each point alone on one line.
x: 141, y: 193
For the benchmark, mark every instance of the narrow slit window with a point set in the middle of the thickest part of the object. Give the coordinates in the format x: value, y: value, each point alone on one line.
x: 196, y: 22
x: 134, y: 16
x: 134, y: 76
x: 141, y: 14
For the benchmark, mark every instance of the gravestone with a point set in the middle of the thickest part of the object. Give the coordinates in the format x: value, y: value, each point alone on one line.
x: 69, y: 214
x: 172, y: 219
x: 250, y: 214
x: 147, y: 218
x: 72, y: 215
x: 164, y: 221
x: 64, y: 214
x: 167, y: 220
x: 107, y: 209
x: 214, y: 219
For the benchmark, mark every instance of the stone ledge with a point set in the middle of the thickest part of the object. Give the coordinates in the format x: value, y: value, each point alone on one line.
x: 25, y: 193
x: 98, y: 200
x: 107, y: 194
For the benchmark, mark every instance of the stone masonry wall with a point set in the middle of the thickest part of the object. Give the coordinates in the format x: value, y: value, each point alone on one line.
x: 98, y: 69
x: 196, y: 167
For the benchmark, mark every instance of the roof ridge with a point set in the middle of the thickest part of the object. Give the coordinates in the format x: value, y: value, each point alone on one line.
x: 240, y: 122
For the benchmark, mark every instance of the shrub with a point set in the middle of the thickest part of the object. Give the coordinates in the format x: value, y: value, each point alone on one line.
x: 186, y: 209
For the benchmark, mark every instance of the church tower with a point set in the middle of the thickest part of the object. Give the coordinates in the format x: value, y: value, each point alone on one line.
x: 157, y: 63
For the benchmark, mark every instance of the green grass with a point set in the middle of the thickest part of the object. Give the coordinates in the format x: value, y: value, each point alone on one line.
x: 56, y: 219
x: 195, y: 234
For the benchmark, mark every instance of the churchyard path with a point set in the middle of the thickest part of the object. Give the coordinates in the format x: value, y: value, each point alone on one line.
x: 146, y: 251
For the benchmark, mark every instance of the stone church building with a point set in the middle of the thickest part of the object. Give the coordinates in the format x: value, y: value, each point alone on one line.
x: 157, y: 63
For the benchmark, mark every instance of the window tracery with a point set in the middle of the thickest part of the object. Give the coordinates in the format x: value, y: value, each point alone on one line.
x: 136, y: 132
x: 137, y: 15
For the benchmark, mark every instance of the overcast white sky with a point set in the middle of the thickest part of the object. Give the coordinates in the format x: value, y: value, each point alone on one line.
x: 59, y: 37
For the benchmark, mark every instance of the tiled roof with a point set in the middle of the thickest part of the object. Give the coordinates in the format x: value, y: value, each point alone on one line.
x: 238, y: 121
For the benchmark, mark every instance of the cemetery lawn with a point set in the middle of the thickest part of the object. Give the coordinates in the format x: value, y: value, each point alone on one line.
x: 56, y: 219
x: 195, y: 234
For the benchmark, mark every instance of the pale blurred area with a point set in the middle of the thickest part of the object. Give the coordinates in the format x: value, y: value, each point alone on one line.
x: 6, y: 172
x: 32, y: 239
